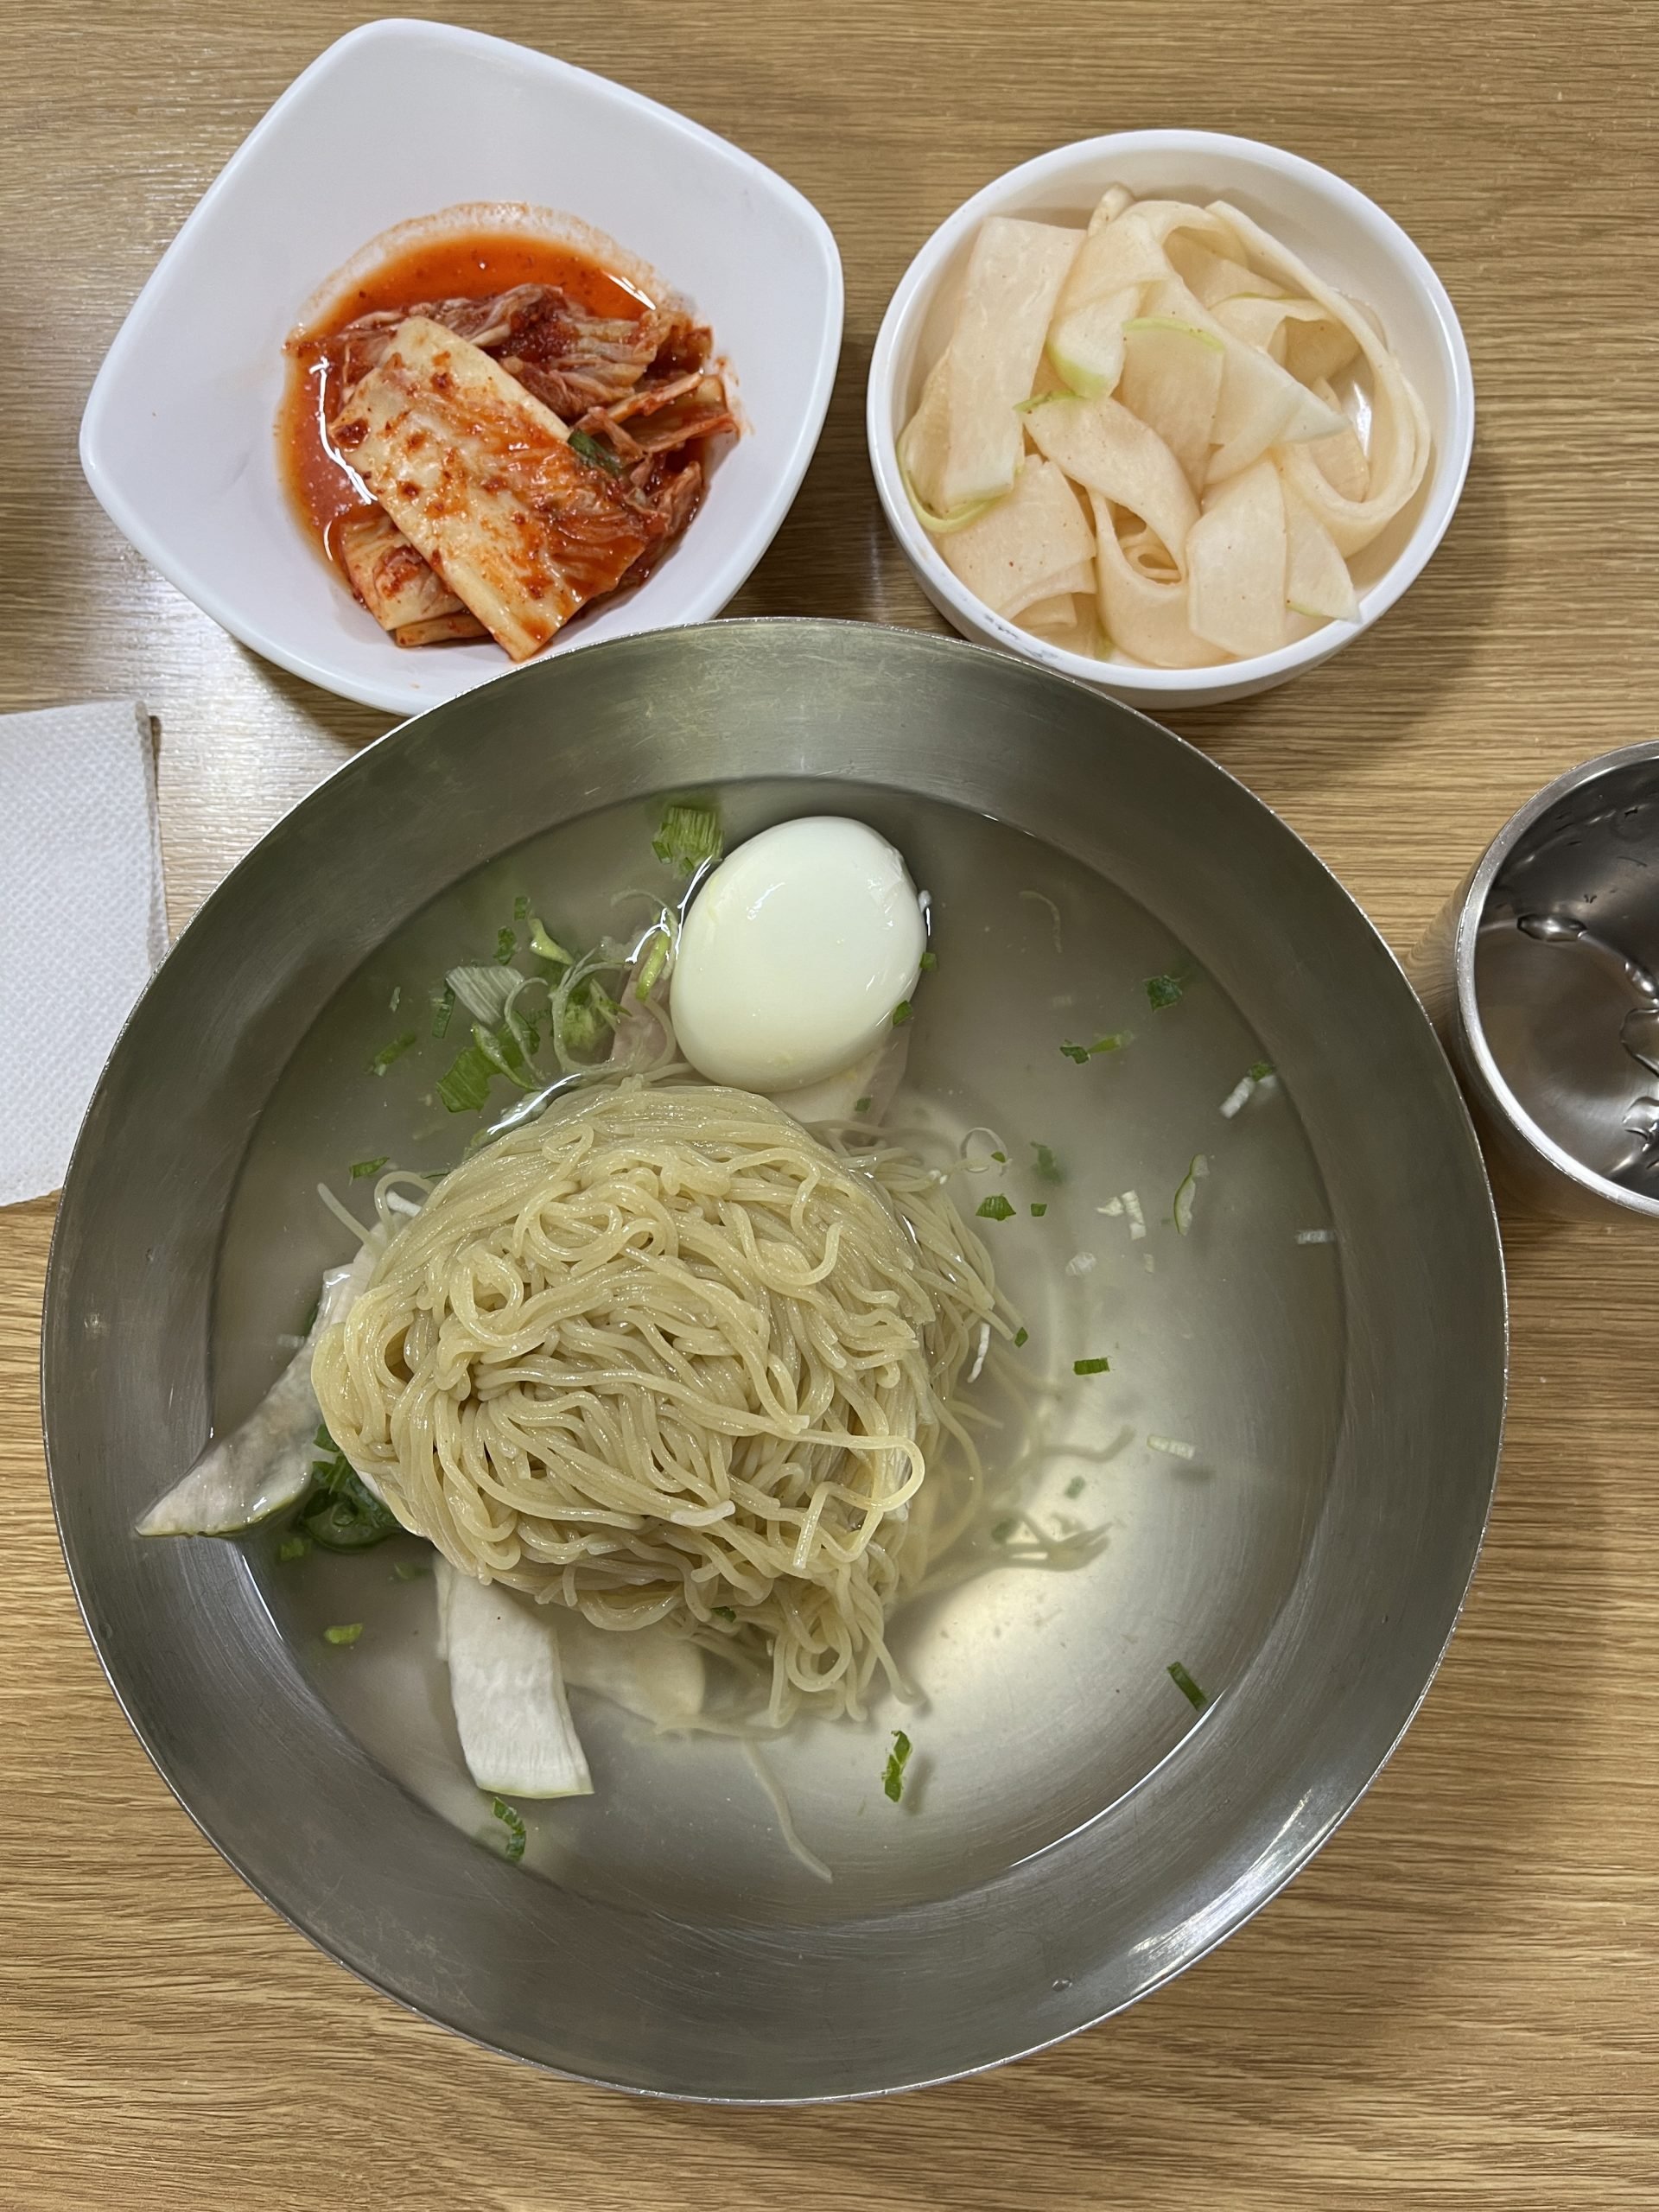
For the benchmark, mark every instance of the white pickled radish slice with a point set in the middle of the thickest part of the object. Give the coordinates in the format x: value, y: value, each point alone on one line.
x: 1260, y: 404
x: 1172, y: 380
x: 1013, y: 278
x: 1236, y: 559
x: 507, y: 1689
x: 244, y: 1477
x: 1122, y: 254
x: 1148, y: 556
x: 1317, y: 345
x: 650, y: 1672
x: 1167, y: 218
x: 1112, y: 202
x: 1018, y: 549
x: 1060, y: 613
x: 924, y: 443
x: 1317, y: 582
x: 1075, y: 632
x: 1297, y: 334
x: 1144, y: 618
x: 1101, y: 446
x: 1086, y: 350
x: 1341, y: 459
x: 1400, y: 443
x: 1102, y: 290
x: 1213, y: 276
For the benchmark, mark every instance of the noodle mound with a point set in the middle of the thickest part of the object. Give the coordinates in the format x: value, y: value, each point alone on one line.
x: 665, y: 1357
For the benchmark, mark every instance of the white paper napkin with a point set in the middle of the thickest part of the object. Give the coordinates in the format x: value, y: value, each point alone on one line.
x: 83, y: 919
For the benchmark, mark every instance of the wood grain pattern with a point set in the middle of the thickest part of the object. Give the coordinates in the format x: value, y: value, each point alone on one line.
x: 1455, y: 2004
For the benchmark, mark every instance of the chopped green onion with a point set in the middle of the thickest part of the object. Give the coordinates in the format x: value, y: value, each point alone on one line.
x: 929, y: 962
x: 466, y: 1086
x: 360, y: 1168
x: 1162, y: 991
x: 1021, y: 1338
x: 1259, y: 1070
x: 349, y: 1634
x: 1000, y: 1158
x: 600, y: 456
x: 1048, y: 1168
x: 724, y: 1613
x: 547, y: 948
x: 652, y: 966
x: 396, y: 999
x: 1039, y: 1209
x: 1091, y: 1366
x: 689, y: 835
x: 892, y: 1781
x: 1002, y: 1531
x: 506, y: 943
x: 339, y: 1512
x: 995, y: 1209
x: 293, y: 1548
x: 1186, y: 1193
x: 387, y: 1053
x: 443, y: 1005
x: 521, y: 907
x: 860, y: 1106
x: 1188, y: 1688
x: 409, y: 1570
x: 901, y: 1014
x: 513, y: 1849
x: 1113, y: 1043
x: 485, y: 991
x: 502, y: 1052
x: 1074, y: 1488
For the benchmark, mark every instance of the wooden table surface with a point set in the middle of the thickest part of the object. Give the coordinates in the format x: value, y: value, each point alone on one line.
x: 1456, y: 2004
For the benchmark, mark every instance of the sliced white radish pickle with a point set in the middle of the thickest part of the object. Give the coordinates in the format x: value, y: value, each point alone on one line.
x: 1236, y: 561
x: 1100, y: 445
x: 1171, y: 381
x: 650, y: 1672
x: 1317, y: 581
x: 1399, y: 442
x: 507, y: 1689
x: 1142, y: 617
x: 1018, y: 549
x: 969, y: 450
x: 265, y: 1463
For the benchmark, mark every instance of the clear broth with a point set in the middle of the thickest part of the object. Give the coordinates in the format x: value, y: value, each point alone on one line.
x: 1046, y: 1696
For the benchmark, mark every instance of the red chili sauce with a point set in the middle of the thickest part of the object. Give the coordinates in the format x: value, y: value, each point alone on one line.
x: 320, y: 484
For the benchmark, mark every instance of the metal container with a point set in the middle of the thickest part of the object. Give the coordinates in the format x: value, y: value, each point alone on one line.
x: 1352, y: 1375
x: 1541, y: 975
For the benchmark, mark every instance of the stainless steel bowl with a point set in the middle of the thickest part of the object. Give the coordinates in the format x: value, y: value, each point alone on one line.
x: 1542, y: 976
x: 1338, y: 1610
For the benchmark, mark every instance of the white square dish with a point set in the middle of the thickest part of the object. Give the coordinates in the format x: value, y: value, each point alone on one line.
x: 178, y: 440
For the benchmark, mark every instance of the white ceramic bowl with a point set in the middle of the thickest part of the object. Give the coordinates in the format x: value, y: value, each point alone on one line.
x: 397, y: 120
x: 1340, y: 233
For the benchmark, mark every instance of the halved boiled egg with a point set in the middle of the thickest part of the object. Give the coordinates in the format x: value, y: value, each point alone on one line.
x: 795, y: 954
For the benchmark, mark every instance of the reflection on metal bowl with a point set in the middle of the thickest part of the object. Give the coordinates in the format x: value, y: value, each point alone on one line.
x: 1544, y: 975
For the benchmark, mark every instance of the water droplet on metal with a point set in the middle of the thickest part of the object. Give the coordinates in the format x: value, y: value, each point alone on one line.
x: 1640, y: 1037
x: 1550, y: 928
